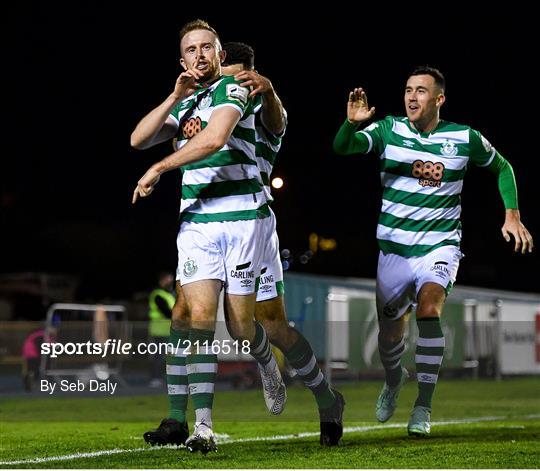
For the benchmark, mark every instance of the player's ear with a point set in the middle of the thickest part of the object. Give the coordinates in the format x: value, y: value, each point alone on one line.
x: 183, y: 63
x: 222, y: 55
x: 441, y: 99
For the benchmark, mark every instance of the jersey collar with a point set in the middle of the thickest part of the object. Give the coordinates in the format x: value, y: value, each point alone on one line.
x: 440, y: 124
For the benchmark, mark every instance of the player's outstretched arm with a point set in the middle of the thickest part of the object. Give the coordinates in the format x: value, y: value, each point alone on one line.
x: 211, y: 139
x: 513, y: 227
x: 157, y: 126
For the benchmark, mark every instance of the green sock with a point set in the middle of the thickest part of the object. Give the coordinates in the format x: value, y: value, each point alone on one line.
x: 260, y: 347
x: 390, y: 353
x: 429, y: 356
x: 302, y: 359
x: 177, y: 379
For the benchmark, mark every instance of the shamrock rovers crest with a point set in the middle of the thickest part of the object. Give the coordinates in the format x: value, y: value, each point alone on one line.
x: 449, y: 149
x: 190, y: 268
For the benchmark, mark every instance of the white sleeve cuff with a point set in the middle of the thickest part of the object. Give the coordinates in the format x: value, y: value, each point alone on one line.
x: 370, y: 140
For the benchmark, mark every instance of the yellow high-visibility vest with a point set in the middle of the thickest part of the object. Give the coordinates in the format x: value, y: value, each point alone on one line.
x: 159, y: 323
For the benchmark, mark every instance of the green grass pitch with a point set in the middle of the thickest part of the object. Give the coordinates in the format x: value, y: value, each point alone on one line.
x: 476, y: 424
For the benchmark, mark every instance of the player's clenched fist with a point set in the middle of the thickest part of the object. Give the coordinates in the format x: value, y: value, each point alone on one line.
x: 146, y: 184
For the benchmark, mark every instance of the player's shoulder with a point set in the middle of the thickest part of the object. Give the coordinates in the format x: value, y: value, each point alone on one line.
x: 228, y: 80
x: 391, y: 120
x: 463, y: 133
x: 231, y: 89
x: 385, y: 124
x: 225, y: 79
x: 450, y: 126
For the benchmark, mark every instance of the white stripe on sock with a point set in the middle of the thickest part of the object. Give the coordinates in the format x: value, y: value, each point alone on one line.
x: 393, y: 358
x: 318, y: 380
x: 178, y: 370
x: 393, y: 349
x: 308, y: 368
x: 428, y: 359
x: 423, y: 342
x: 260, y: 348
x: 267, y: 352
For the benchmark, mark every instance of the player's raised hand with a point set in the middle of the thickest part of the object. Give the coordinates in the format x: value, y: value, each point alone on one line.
x: 146, y: 184
x: 186, y: 83
x: 259, y: 83
x: 515, y: 228
x: 358, y: 109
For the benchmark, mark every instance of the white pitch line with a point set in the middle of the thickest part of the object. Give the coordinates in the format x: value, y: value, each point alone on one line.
x: 362, y: 428
x: 74, y: 456
x: 295, y: 436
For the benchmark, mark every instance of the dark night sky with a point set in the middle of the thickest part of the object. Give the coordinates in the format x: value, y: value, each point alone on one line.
x: 79, y: 79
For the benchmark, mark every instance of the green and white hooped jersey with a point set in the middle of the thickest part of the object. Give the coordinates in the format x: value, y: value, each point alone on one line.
x: 226, y: 185
x: 422, y: 178
x: 266, y: 149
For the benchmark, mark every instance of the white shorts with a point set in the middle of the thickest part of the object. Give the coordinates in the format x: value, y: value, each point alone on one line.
x: 271, y: 281
x: 228, y: 251
x: 400, y: 279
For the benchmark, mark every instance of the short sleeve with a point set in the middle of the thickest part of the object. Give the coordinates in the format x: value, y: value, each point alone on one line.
x: 230, y: 93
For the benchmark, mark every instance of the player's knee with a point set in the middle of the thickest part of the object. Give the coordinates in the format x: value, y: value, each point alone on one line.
x: 391, y: 331
x: 428, y: 309
x: 200, y: 313
x: 180, y: 324
x: 180, y: 312
x: 277, y: 330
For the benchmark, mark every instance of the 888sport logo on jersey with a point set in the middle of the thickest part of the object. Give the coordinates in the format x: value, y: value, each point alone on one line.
x: 191, y: 127
x: 428, y: 173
